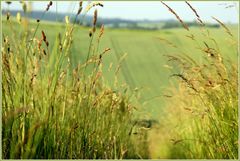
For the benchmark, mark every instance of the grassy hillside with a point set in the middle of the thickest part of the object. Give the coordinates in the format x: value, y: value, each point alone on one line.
x: 72, y: 92
x: 145, y: 54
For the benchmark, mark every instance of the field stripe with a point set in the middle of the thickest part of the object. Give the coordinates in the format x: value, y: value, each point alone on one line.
x: 124, y: 68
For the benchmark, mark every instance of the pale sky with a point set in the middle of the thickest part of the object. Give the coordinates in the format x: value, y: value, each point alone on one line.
x: 151, y: 10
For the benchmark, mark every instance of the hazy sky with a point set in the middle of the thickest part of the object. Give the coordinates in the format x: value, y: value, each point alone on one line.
x: 152, y: 10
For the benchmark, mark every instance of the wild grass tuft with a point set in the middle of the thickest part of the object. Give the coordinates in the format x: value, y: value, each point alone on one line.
x: 52, y: 110
x: 202, y: 113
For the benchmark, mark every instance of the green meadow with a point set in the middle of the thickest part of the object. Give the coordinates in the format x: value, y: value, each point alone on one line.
x: 145, y: 64
x: 76, y: 92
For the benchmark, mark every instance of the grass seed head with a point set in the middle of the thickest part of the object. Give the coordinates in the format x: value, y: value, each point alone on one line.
x: 44, y: 36
x: 195, y: 12
x: 94, y: 20
x: 90, y: 6
x: 39, y: 44
x: 90, y: 33
x: 19, y: 17
x: 47, y: 43
x: 101, y: 32
x: 44, y: 51
x: 80, y: 3
x: 80, y: 7
x: 224, y: 26
x: 95, y: 17
x: 67, y: 19
x: 8, y: 16
x: 49, y: 5
x: 176, y: 15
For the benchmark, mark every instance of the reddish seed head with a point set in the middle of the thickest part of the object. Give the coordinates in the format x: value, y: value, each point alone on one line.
x: 44, y: 36
x: 44, y: 52
x: 95, y: 18
x: 80, y: 3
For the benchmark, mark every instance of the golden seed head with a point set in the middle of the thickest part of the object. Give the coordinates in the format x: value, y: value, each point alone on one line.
x: 19, y: 17
x: 101, y: 31
x: 94, y: 4
x: 39, y: 44
x: 67, y: 19
x: 106, y: 50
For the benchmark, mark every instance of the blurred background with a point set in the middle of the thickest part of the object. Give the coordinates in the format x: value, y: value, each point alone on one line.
x: 133, y: 28
x: 141, y: 11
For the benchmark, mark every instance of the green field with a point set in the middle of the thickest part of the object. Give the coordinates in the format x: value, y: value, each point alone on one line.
x: 61, y: 102
x: 144, y: 66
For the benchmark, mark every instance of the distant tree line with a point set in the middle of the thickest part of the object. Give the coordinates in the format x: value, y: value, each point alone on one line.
x: 176, y: 24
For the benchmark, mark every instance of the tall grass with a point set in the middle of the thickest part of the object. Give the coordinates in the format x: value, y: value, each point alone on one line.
x: 202, y: 113
x: 51, y: 110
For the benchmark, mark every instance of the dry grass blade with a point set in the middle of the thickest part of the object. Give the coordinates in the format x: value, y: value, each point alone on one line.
x: 176, y: 15
x: 195, y: 12
x: 224, y: 26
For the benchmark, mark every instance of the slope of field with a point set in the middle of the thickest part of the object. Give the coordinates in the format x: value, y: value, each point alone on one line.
x: 145, y: 64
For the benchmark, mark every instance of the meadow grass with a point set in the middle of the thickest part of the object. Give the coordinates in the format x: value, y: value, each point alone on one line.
x: 155, y: 72
x: 68, y: 95
x: 53, y: 110
x: 202, y: 113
